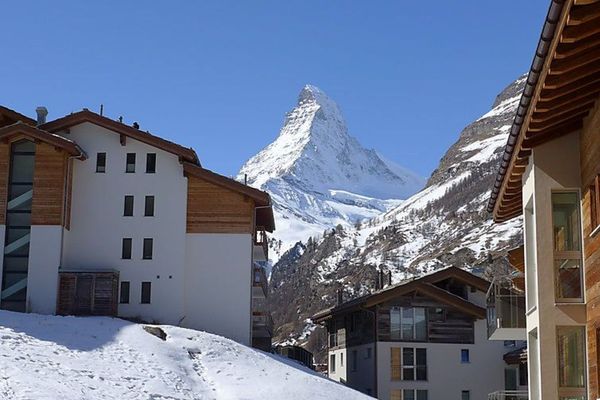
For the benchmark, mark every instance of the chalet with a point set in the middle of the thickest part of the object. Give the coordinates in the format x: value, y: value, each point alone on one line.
x: 549, y: 176
x: 101, y: 218
x: 423, y: 339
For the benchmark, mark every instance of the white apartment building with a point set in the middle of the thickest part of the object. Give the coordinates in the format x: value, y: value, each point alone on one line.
x: 101, y: 218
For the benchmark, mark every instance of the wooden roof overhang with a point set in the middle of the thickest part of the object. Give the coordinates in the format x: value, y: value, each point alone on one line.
x: 425, y: 286
x: 59, y: 142
x: 9, y: 117
x: 264, y: 208
x: 562, y: 87
x: 516, y: 258
x: 57, y: 125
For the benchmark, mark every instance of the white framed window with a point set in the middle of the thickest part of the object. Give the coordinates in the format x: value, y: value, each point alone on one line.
x: 408, y: 323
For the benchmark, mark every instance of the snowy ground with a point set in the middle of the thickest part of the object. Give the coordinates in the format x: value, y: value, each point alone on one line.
x: 48, y: 357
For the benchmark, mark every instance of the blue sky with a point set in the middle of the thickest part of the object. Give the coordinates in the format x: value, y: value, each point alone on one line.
x: 220, y: 75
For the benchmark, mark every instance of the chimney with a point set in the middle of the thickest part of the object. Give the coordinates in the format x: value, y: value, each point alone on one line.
x: 340, y: 296
x: 389, y: 278
x: 136, y: 125
x: 41, y: 112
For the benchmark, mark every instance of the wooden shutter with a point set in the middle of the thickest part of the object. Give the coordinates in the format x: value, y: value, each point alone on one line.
x: 396, y: 356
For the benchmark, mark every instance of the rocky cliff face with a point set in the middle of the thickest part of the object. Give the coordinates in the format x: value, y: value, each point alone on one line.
x: 443, y: 224
x: 319, y: 176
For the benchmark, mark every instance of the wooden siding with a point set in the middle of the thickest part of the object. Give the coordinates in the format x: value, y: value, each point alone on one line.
x: 590, y: 166
x: 215, y: 209
x: 100, y: 298
x: 4, y: 166
x: 48, y: 185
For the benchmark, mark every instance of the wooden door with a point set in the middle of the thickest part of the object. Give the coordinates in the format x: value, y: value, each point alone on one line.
x: 83, y: 295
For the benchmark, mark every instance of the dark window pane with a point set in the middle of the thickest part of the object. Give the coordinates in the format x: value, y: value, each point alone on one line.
x: 17, y: 190
x: 130, y: 166
x: 568, y: 279
x: 15, y: 264
x: 22, y: 168
x: 14, y: 234
x: 149, y: 206
x: 124, y: 299
x: 421, y: 394
x: 571, y: 356
x: 395, y: 324
x: 150, y: 163
x: 421, y: 373
x: 407, y: 357
x: 19, y: 218
x: 128, y: 206
x: 408, y: 394
x: 126, y: 251
x: 464, y: 356
x: 101, y: 162
x: 421, y: 356
x: 23, y: 146
x: 565, y: 216
x: 465, y: 395
x: 409, y: 374
x: 146, y: 292
x: 14, y: 286
x: 147, y: 249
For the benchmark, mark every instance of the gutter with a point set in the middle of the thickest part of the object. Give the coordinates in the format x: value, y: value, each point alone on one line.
x: 541, y: 53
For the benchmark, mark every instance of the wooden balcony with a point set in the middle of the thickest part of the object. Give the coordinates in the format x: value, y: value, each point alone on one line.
x: 262, y: 324
x: 260, y: 284
x: 261, y: 245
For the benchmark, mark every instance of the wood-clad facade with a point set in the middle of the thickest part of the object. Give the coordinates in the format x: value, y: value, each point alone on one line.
x: 553, y: 150
x: 49, y: 186
x: 216, y: 209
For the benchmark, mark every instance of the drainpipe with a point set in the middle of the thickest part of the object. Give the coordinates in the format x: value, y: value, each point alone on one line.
x: 64, y: 213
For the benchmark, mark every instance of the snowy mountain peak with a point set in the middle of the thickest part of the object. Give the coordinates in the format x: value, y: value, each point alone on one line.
x: 319, y: 175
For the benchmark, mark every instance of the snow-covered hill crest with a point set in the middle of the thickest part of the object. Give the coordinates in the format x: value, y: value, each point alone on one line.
x: 319, y: 176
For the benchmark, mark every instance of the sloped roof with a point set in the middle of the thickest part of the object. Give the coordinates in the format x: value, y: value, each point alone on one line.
x: 425, y: 285
x: 21, y: 128
x: 8, y: 117
x: 187, y: 154
x: 562, y: 87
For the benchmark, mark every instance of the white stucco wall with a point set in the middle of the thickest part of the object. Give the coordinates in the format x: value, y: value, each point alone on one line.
x: 340, y: 373
x: 218, y: 277
x: 98, y: 225
x: 547, y: 171
x: 44, y: 260
x: 447, y: 376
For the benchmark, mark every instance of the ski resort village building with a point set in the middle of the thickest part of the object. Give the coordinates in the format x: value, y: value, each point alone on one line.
x: 550, y: 177
x: 424, y: 339
x: 101, y: 218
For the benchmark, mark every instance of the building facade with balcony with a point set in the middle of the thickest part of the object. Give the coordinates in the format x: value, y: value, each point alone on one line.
x: 549, y: 176
x: 424, y: 339
x: 101, y: 218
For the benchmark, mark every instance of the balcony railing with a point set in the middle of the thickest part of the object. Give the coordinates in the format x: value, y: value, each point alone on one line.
x: 505, y: 312
x: 260, y: 240
x: 260, y: 285
x: 508, y: 395
x: 262, y: 322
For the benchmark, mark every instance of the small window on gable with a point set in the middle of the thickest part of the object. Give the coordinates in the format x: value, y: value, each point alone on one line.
x: 595, y: 203
x: 130, y: 165
x: 150, y: 163
x: 101, y: 163
x: 465, y: 356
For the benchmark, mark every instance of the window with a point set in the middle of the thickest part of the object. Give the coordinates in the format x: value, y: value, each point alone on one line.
x: 146, y: 292
x: 128, y: 206
x: 150, y: 163
x: 408, y: 323
x: 332, y: 363
x: 523, y: 379
x: 567, y: 247
x: 341, y: 359
x: 408, y: 394
x: 149, y: 206
x: 101, y: 163
x: 130, y: 165
x: 124, y: 299
x: 465, y: 395
x: 354, y: 360
x: 368, y: 352
x: 595, y: 203
x: 408, y: 364
x: 126, y: 249
x: 464, y: 356
x: 147, y: 255
x: 571, y: 362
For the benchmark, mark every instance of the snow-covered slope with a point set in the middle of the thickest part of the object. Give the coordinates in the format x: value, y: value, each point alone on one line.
x: 50, y: 358
x: 444, y: 224
x: 319, y: 176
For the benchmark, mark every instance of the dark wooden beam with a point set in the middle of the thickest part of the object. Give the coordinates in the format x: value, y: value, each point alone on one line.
x: 565, y: 50
x: 590, y: 83
x: 577, y: 114
x: 581, y: 96
x: 591, y: 55
x: 584, y: 13
x: 536, y: 139
x: 556, y: 81
x: 572, y: 34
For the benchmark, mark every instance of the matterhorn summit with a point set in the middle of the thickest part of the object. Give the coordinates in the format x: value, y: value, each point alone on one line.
x: 319, y: 176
